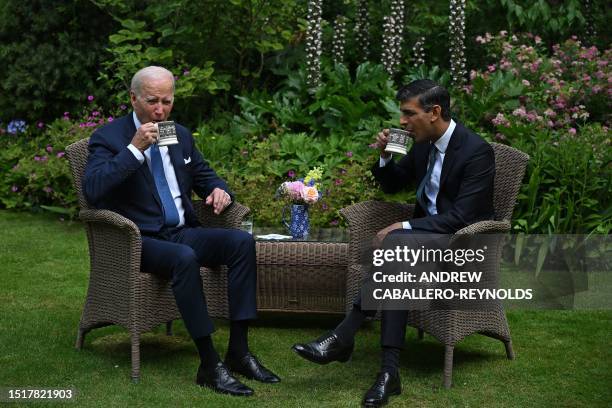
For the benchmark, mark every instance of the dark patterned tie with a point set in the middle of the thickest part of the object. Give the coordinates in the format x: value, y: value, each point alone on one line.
x: 420, y: 194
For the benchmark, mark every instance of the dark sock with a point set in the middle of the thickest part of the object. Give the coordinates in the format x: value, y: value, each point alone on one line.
x: 348, y: 327
x: 390, y: 360
x: 239, y: 338
x: 208, y: 354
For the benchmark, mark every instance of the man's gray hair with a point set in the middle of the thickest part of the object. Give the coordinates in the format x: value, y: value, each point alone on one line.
x: 149, y: 72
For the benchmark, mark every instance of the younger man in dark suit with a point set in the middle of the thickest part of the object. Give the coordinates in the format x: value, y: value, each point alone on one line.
x: 453, y: 169
x: 129, y: 173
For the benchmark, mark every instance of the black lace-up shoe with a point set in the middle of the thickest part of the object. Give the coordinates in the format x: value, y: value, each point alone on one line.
x: 220, y: 380
x: 251, y: 368
x: 325, y: 349
x: 385, y: 385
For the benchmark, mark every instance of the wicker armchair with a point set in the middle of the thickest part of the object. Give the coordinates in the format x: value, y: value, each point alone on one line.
x: 448, y: 326
x: 119, y: 293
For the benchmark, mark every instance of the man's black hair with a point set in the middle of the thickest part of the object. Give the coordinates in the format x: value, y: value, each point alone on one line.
x: 428, y: 93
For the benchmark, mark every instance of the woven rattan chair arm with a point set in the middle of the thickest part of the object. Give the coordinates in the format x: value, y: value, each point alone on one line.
x: 110, y: 218
x: 230, y: 218
x: 368, y: 217
x: 486, y: 227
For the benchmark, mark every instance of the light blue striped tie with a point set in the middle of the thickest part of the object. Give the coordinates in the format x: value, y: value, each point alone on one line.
x: 420, y: 194
x: 171, y: 215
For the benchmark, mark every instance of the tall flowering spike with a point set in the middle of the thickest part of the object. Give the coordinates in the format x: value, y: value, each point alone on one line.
x: 339, y: 39
x: 393, y: 29
x: 591, y: 33
x: 313, y: 43
x: 418, y: 52
x: 457, y: 42
x: 362, y: 30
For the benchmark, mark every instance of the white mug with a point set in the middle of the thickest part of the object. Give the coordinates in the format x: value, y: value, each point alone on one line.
x: 397, y: 141
x: 167, y: 133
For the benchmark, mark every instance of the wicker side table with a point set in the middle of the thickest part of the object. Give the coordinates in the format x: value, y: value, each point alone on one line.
x: 302, y: 276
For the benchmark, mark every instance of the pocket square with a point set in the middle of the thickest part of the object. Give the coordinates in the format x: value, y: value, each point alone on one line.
x: 187, y: 160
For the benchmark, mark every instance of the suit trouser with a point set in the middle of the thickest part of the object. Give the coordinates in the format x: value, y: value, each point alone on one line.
x: 393, y: 322
x: 178, y: 255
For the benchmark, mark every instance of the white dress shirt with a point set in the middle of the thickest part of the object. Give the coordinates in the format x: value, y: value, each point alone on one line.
x: 168, y: 171
x: 432, y: 186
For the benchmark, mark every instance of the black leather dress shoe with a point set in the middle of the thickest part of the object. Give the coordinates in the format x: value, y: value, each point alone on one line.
x: 325, y: 349
x: 251, y: 368
x: 384, y: 386
x: 220, y: 380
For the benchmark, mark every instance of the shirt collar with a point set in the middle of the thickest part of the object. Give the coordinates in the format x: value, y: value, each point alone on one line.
x: 442, y: 143
x: 136, y: 121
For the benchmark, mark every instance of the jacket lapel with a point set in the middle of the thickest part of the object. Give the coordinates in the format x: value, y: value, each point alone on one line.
x: 451, y: 152
x: 176, y: 157
x: 144, y: 170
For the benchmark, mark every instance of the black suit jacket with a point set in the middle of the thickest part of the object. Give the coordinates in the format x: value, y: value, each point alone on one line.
x: 466, y: 181
x: 116, y: 180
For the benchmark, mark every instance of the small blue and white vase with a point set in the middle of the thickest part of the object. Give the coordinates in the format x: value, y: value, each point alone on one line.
x: 299, y: 223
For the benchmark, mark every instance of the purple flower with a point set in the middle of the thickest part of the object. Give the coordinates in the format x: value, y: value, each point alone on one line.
x: 334, y: 222
x: 49, y: 148
x: 40, y: 125
x: 291, y: 174
x: 349, y: 154
x: 60, y: 155
x: 66, y: 113
x: 36, y: 158
x: 186, y: 72
x: 110, y: 119
x: 47, y: 189
x: 499, y: 137
x: 95, y: 113
x: 572, y: 131
x: 324, y: 206
x: 90, y: 98
x: 338, y: 182
x: 342, y: 171
x: 491, y: 68
x: 122, y: 107
x: 14, y: 189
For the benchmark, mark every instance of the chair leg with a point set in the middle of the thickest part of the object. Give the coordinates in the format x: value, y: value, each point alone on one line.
x: 135, y: 357
x: 509, y: 350
x: 169, y: 328
x: 448, y: 366
x: 80, y: 338
x: 420, y: 334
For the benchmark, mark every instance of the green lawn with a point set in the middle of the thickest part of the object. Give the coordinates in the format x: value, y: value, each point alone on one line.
x: 563, y: 357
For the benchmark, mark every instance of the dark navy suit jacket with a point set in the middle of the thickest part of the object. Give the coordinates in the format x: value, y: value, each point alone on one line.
x: 115, y: 179
x: 466, y: 182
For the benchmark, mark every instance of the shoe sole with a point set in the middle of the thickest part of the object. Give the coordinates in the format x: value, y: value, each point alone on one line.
x: 250, y: 377
x: 224, y: 392
x: 307, y: 357
x: 384, y: 402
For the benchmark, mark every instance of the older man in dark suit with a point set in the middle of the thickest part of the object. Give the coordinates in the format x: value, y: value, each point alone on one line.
x: 453, y: 169
x: 129, y: 173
